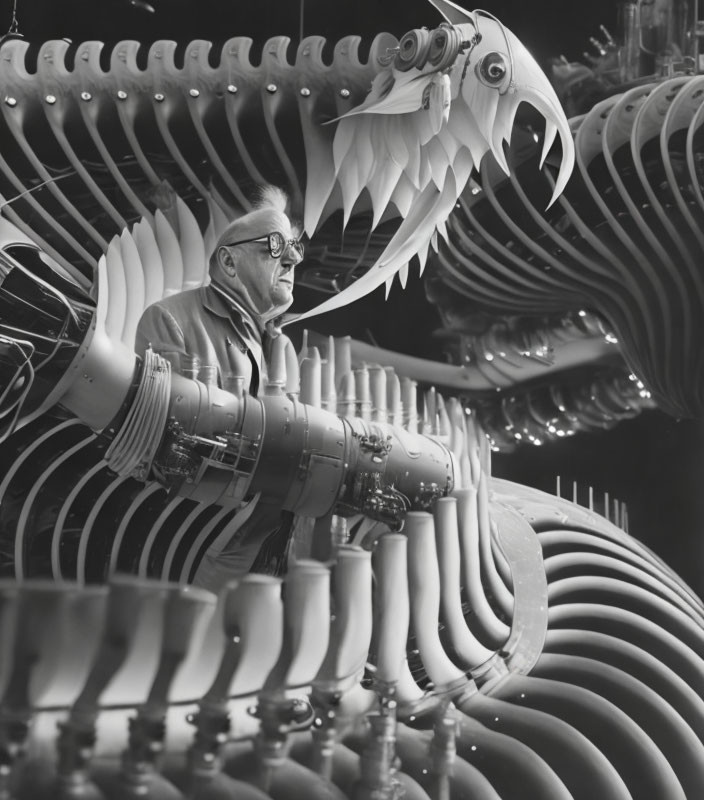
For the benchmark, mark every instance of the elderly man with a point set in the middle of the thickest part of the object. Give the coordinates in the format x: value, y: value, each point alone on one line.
x: 221, y: 334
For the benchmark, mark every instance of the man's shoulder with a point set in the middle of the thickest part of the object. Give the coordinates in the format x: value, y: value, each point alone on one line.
x: 174, y: 302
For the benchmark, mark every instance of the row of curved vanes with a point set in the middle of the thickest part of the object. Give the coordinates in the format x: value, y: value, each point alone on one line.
x: 624, y: 239
x: 552, y: 657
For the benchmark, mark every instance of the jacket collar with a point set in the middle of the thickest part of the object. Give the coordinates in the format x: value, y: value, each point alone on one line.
x: 221, y: 303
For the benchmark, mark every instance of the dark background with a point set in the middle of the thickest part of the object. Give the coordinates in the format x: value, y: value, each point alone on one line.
x: 654, y: 464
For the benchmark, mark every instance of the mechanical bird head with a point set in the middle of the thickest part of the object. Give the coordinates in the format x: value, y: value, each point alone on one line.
x: 441, y: 100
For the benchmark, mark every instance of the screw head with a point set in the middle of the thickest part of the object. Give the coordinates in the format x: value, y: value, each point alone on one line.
x: 344, y: 92
x: 159, y: 97
x: 86, y: 96
x: 51, y: 99
x: 122, y: 95
x: 231, y: 88
x: 305, y: 92
x: 193, y: 92
x: 271, y: 88
x: 10, y: 101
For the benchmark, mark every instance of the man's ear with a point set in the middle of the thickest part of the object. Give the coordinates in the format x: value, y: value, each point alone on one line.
x: 226, y: 261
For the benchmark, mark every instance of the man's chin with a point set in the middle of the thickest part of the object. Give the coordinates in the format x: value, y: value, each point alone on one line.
x: 282, y: 296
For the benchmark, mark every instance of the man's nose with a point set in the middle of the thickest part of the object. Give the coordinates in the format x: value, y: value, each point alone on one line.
x: 291, y: 257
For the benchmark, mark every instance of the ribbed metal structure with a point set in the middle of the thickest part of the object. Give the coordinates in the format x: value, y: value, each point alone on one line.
x: 624, y: 240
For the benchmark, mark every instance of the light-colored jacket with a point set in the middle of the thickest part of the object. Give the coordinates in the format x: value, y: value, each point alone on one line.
x: 200, y: 323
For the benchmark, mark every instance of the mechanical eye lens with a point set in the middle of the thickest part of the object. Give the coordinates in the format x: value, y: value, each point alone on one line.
x: 492, y: 69
x: 413, y: 50
x: 438, y: 46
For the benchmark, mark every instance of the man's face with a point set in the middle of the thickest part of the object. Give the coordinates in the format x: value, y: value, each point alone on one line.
x: 268, y: 280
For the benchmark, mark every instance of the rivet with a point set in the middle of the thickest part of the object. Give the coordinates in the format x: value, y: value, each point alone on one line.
x: 271, y: 88
x: 50, y: 99
x: 86, y: 96
x: 10, y: 101
x: 159, y: 97
x: 344, y: 92
x: 231, y: 88
x: 122, y: 95
x: 193, y: 92
x: 305, y: 92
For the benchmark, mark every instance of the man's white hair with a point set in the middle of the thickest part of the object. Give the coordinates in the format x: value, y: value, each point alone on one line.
x: 271, y: 197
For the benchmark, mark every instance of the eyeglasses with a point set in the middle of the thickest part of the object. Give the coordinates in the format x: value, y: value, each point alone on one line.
x: 276, y: 242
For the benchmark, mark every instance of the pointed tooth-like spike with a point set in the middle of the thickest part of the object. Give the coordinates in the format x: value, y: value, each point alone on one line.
x: 550, y: 133
x: 453, y: 13
x: 403, y: 275
x: 388, y: 283
x: 554, y: 116
x: 422, y: 259
x: 566, y: 165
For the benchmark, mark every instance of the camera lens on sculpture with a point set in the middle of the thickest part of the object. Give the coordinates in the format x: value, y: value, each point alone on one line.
x: 413, y: 50
x: 492, y: 69
x: 438, y: 46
